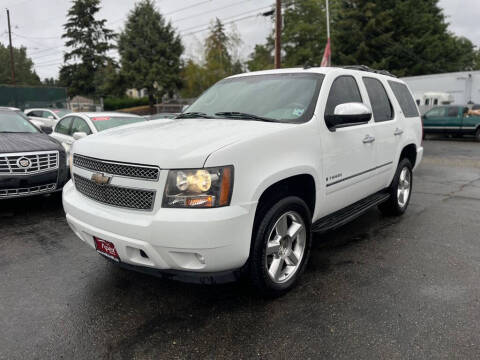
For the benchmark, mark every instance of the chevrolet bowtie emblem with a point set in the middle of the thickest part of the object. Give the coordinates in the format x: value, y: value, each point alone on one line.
x: 101, y: 179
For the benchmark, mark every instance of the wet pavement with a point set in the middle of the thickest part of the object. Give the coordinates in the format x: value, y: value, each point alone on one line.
x: 378, y: 288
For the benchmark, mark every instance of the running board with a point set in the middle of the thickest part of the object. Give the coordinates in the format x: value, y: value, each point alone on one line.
x: 345, y: 215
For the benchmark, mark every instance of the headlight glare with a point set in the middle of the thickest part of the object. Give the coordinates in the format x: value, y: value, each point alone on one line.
x: 199, y: 188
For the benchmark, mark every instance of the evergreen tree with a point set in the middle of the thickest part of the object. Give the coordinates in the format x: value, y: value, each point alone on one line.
x: 24, y: 72
x: 89, y: 41
x: 261, y: 58
x: 150, y: 52
x: 407, y: 37
x: 220, y: 62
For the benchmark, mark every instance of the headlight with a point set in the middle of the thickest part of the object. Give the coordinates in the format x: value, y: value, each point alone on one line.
x: 199, y: 188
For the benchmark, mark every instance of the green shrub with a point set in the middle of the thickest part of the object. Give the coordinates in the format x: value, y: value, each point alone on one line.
x: 115, y: 103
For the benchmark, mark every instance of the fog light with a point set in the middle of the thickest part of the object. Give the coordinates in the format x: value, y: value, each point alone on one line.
x: 200, y: 258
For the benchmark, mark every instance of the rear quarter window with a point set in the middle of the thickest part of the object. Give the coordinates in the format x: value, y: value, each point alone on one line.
x: 404, y: 98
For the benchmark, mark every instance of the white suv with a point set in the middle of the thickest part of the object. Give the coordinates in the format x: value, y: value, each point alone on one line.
x: 237, y: 184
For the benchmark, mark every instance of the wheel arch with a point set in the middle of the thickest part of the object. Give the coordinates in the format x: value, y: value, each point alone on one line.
x: 301, y: 184
x: 409, y: 152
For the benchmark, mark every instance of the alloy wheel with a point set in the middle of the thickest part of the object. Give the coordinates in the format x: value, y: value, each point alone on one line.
x: 285, y: 247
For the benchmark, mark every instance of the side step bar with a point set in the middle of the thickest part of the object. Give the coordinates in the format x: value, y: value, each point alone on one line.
x: 345, y: 215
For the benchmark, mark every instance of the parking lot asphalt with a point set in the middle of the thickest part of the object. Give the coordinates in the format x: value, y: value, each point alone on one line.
x: 378, y: 288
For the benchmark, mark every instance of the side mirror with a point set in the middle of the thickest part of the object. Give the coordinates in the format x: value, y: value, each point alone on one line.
x: 79, y: 135
x: 51, y: 117
x: 348, y: 114
x: 46, y: 129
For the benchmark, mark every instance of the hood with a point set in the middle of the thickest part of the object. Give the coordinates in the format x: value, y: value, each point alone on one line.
x: 181, y: 143
x: 27, y: 142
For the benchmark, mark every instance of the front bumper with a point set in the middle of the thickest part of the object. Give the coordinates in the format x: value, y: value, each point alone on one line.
x: 187, y: 240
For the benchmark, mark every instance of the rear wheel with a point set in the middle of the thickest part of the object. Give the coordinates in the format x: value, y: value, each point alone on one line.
x: 400, y: 190
x: 281, y: 246
x: 477, y: 135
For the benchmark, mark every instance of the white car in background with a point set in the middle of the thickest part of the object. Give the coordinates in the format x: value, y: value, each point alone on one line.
x: 46, y: 117
x: 75, y: 126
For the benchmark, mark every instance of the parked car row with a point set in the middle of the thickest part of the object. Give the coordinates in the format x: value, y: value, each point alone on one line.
x: 31, y: 161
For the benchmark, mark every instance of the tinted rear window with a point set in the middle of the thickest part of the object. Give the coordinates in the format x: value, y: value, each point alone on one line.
x: 404, y: 98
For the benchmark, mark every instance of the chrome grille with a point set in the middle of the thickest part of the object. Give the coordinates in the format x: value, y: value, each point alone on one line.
x: 38, y: 162
x: 115, y: 195
x: 127, y: 170
x: 6, y: 193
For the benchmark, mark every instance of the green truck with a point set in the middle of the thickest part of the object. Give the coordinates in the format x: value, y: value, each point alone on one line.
x: 452, y: 120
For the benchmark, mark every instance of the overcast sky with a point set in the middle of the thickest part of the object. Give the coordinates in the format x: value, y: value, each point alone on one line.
x: 37, y: 24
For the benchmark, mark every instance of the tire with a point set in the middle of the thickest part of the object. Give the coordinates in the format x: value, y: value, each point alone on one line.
x: 400, y: 192
x: 288, y: 215
x: 477, y: 134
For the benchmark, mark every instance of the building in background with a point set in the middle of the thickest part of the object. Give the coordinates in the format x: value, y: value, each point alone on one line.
x: 460, y: 88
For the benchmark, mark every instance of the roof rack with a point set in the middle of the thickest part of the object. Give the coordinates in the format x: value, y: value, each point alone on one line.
x: 366, y: 68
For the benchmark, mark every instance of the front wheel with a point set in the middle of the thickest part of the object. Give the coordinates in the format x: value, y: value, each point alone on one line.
x: 400, y: 190
x: 281, y: 246
x: 477, y: 135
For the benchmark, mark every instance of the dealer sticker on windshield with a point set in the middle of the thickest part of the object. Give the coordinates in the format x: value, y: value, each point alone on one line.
x: 297, y: 112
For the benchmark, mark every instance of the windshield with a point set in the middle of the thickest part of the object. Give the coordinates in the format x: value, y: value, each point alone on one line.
x: 289, y: 97
x: 61, y: 112
x: 15, y: 121
x: 107, y: 122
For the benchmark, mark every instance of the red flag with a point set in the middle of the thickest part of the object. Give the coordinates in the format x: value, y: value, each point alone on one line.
x: 326, y: 55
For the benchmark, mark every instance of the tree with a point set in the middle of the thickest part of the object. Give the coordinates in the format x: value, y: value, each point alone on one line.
x: 24, y: 72
x: 220, y: 60
x: 89, y: 41
x: 261, y: 58
x: 407, y: 37
x: 150, y: 52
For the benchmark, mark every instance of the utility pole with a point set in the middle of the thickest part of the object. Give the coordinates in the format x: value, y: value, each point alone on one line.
x: 12, y: 65
x: 328, y: 34
x: 278, y: 35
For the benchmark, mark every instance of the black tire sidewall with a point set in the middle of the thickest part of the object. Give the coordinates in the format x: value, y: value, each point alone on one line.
x: 258, y: 273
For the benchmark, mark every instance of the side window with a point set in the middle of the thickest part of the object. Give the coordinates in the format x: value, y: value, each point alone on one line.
x: 36, y: 113
x: 427, y: 101
x: 63, y: 126
x: 80, y: 125
x: 435, y: 101
x: 404, y: 98
x: 46, y: 114
x: 381, y: 106
x: 452, y: 111
x: 417, y: 101
x: 344, y: 90
x: 437, y: 112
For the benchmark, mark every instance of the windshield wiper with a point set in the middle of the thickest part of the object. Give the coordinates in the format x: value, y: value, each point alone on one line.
x: 193, y: 114
x: 241, y: 115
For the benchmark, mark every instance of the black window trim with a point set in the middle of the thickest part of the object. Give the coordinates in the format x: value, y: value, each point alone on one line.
x: 328, y: 94
x: 394, y: 114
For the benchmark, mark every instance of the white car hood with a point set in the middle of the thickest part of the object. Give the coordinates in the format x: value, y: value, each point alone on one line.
x: 182, y: 143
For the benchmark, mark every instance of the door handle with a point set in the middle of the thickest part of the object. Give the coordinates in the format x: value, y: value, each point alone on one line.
x: 368, y: 139
x: 398, y: 132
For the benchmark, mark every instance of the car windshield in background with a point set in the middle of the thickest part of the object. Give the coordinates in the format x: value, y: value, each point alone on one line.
x: 15, y: 122
x: 289, y: 97
x: 61, y: 112
x: 107, y: 122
